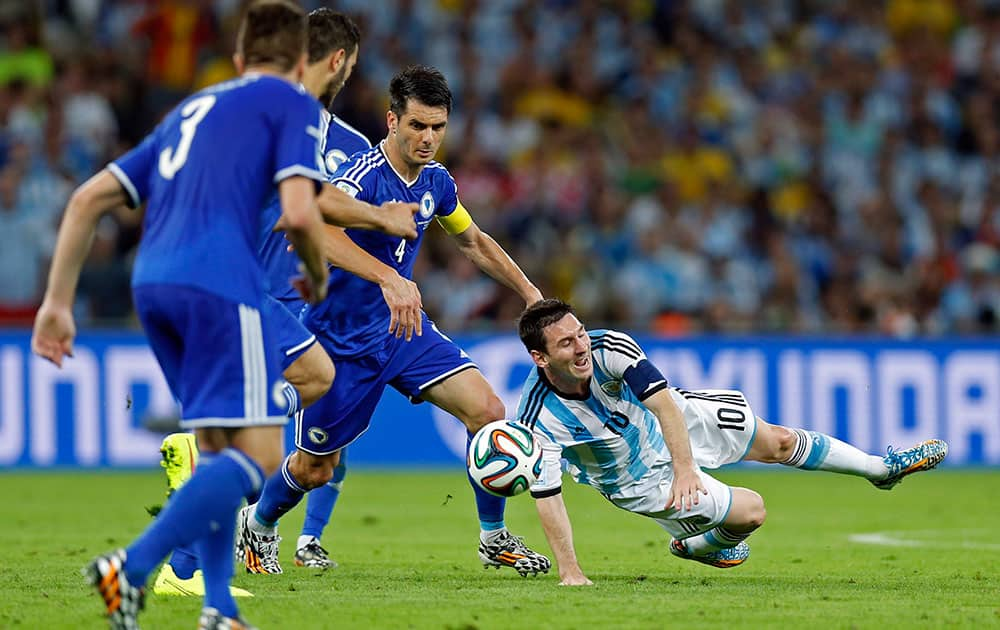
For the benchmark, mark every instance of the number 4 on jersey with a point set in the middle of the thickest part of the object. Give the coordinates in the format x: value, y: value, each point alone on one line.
x: 171, y: 161
x: 400, y: 251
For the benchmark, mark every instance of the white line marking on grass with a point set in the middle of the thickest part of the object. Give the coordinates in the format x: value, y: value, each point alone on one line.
x: 939, y: 538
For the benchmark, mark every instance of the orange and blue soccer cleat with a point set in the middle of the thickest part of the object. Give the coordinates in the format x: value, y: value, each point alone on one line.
x: 923, y: 456
x: 722, y: 559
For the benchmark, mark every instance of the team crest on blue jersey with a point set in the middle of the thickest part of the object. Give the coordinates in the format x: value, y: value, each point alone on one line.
x: 334, y: 159
x: 612, y: 388
x: 427, y: 205
x: 318, y: 436
x: 348, y: 188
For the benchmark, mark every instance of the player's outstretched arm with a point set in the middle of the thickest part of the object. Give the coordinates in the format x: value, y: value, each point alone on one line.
x: 481, y: 249
x: 54, y: 329
x: 401, y: 295
x: 394, y: 218
x: 687, y: 484
x: 302, y: 224
x: 559, y: 533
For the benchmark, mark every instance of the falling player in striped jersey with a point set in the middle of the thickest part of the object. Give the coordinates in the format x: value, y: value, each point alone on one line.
x: 596, y: 401
x: 425, y: 366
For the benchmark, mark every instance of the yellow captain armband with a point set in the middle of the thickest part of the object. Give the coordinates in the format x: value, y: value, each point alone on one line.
x: 456, y: 222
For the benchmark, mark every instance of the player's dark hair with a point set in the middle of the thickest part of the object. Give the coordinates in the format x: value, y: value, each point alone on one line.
x: 421, y: 83
x: 533, y: 320
x: 272, y: 32
x: 330, y: 31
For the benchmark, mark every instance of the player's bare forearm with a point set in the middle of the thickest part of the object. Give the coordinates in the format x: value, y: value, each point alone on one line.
x: 340, y: 251
x: 54, y: 329
x: 559, y: 533
x: 303, y: 224
x: 401, y: 295
x: 340, y: 209
x: 487, y: 254
x: 95, y: 197
x: 687, y: 484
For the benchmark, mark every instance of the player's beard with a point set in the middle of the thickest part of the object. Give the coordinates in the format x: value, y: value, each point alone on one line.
x: 333, y: 88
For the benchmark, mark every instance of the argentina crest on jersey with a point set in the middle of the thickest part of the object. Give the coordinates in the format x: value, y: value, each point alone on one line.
x: 612, y: 388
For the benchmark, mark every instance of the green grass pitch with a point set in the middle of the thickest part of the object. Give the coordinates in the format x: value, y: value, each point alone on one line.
x: 406, y: 543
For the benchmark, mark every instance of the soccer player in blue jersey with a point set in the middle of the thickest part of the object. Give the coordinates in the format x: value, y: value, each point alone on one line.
x: 596, y: 401
x: 333, y: 49
x: 427, y: 366
x: 205, y: 172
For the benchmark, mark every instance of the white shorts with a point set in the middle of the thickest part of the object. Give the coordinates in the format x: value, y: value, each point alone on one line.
x: 712, y: 509
x: 720, y: 422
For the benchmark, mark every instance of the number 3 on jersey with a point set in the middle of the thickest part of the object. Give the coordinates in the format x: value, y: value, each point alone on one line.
x: 400, y: 251
x: 171, y: 161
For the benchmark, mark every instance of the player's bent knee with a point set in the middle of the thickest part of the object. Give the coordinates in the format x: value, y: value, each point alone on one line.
x: 747, y: 512
x: 312, y: 471
x: 311, y: 374
x: 492, y: 409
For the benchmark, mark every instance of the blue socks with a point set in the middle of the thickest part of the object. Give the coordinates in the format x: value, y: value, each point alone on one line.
x: 322, y: 500
x: 216, y: 553
x: 184, y: 561
x: 281, y: 493
x: 204, y: 506
x: 490, y: 507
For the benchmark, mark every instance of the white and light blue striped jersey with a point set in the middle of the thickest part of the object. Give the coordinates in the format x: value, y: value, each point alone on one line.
x: 207, y: 171
x: 338, y: 141
x: 358, y: 325
x: 608, y: 438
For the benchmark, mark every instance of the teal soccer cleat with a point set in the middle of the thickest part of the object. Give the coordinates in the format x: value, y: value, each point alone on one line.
x: 923, y: 456
x: 722, y: 559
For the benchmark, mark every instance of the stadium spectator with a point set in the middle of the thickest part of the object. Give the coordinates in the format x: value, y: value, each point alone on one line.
x: 858, y: 130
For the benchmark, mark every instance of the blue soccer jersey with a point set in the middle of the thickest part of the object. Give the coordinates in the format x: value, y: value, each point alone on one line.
x: 357, y: 325
x: 207, y: 171
x: 338, y: 141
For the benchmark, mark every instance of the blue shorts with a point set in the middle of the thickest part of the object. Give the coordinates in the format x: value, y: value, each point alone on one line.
x: 293, y: 337
x: 344, y: 412
x: 219, y: 357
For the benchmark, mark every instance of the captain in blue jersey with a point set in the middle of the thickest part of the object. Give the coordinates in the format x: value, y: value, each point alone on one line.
x: 355, y: 324
x: 205, y: 173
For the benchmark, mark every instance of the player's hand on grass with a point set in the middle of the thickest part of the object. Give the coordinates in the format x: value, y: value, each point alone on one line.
x: 574, y: 578
x: 54, y: 330
x: 403, y: 299
x: 685, y: 489
x: 397, y: 219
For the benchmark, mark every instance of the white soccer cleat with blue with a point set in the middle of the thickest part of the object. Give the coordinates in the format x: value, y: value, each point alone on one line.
x: 923, y: 456
x: 722, y: 559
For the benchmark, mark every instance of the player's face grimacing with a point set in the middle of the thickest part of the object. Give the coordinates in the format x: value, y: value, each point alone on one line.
x: 419, y: 131
x: 567, y: 353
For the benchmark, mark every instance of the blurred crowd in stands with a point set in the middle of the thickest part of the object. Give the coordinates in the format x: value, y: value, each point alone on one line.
x: 676, y: 167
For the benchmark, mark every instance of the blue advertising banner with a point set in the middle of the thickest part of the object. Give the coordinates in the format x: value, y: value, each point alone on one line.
x: 869, y: 392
